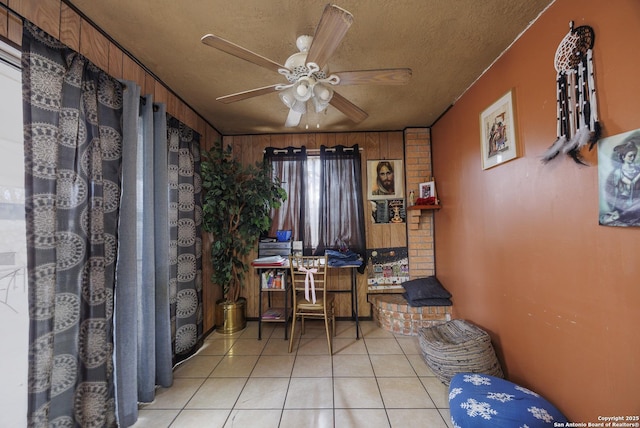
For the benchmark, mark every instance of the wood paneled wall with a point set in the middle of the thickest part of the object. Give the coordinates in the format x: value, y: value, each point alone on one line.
x: 62, y: 22
x: 375, y: 145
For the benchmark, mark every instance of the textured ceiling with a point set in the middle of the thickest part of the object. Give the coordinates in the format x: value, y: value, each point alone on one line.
x: 447, y: 44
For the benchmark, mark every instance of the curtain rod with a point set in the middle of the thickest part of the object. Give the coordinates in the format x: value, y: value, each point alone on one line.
x: 11, y: 58
x: 313, y: 151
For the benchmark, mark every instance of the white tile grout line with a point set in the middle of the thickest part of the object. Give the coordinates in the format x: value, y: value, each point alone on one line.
x: 362, y: 337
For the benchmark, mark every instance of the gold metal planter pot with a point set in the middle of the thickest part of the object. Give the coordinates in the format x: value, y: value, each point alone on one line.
x: 231, y: 317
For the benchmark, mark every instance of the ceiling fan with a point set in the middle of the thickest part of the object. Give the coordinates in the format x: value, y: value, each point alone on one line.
x: 308, y: 79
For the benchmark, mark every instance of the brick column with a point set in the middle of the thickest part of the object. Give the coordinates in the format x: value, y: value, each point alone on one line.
x: 418, y: 169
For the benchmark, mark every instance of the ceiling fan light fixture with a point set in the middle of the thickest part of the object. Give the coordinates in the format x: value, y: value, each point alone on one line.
x: 299, y: 107
x: 320, y: 106
x: 293, y: 119
x: 286, y: 96
x: 307, y: 71
x: 322, y: 94
x: 303, y: 43
x: 304, y: 88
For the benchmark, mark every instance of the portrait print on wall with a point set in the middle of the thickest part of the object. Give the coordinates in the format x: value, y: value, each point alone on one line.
x: 619, y: 180
x: 428, y: 190
x: 497, y: 133
x: 385, y: 179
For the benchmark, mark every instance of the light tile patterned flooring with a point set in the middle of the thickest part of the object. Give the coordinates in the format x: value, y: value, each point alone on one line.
x: 236, y: 380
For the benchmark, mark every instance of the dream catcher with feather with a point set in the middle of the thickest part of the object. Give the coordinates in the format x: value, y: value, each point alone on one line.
x: 577, y: 109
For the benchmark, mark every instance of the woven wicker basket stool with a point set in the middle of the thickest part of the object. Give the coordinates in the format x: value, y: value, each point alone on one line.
x: 458, y: 346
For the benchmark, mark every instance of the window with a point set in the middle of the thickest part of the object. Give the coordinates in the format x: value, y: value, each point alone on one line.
x: 324, y: 208
x: 313, y: 194
x: 14, y: 314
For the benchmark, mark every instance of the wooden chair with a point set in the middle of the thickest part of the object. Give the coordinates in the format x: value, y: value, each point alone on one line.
x: 310, y: 296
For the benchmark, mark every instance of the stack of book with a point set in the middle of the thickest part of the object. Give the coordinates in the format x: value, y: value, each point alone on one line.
x: 269, y: 261
x: 274, y: 278
x: 273, y: 314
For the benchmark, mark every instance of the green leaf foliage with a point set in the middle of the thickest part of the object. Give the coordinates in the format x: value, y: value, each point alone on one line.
x: 236, y: 207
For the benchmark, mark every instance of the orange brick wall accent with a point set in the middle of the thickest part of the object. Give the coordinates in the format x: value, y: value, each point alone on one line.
x: 392, y: 312
x: 418, y: 169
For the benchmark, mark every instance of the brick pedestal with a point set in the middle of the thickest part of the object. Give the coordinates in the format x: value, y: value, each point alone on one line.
x: 393, y: 313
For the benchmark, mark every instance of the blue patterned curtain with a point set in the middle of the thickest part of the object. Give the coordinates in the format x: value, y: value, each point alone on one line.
x: 81, y: 187
x: 185, y: 248
x: 73, y: 144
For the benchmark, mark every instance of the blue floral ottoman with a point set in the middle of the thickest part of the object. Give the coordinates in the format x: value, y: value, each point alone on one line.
x: 479, y: 400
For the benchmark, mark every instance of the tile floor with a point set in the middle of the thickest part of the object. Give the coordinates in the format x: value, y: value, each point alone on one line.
x: 236, y: 380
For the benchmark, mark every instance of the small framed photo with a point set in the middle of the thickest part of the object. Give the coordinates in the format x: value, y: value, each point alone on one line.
x: 497, y: 133
x: 385, y: 179
x: 427, y: 190
x: 388, y: 211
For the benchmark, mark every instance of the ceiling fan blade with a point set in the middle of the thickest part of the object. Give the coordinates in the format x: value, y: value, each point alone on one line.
x: 232, y: 98
x: 240, y: 52
x: 330, y: 31
x: 348, y: 108
x: 391, y: 76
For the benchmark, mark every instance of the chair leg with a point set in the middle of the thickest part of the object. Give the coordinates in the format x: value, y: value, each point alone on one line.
x: 333, y: 319
x: 333, y: 322
x: 326, y: 326
x: 293, y: 330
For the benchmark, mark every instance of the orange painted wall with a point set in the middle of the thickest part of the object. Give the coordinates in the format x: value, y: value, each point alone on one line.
x: 519, y: 245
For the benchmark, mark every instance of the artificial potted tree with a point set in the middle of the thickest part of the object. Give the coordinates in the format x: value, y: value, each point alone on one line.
x: 236, y: 210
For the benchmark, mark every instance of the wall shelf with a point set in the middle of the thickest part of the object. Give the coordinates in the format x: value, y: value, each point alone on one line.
x: 423, y: 207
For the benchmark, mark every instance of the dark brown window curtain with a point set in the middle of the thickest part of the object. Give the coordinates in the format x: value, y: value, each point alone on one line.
x: 340, y: 210
x: 341, y: 204
x: 290, y: 165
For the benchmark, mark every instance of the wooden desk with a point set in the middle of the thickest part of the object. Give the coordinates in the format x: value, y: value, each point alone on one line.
x: 353, y: 290
x: 354, y: 294
x: 285, y: 288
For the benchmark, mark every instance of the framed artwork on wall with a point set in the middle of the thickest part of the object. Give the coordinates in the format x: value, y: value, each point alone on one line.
x: 388, y: 211
x: 427, y: 190
x: 387, y: 268
x: 385, y: 179
x: 619, y: 179
x: 497, y: 132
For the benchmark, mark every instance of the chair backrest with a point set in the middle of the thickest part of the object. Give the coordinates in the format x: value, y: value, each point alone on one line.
x: 308, y: 274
